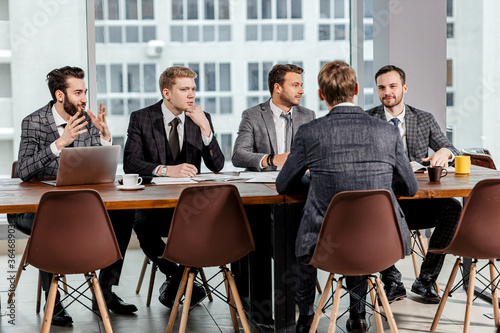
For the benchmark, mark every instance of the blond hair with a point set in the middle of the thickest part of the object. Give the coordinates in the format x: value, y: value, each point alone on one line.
x: 337, y: 82
x: 167, y: 78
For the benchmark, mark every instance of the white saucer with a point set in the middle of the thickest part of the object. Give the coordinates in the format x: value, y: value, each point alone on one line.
x: 138, y: 187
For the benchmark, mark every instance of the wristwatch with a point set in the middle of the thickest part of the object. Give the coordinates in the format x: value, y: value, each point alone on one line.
x: 163, y: 171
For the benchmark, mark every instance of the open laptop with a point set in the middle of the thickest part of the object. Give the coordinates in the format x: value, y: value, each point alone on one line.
x: 87, y: 165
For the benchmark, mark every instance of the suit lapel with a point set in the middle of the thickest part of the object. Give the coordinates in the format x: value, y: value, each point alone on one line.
x: 267, y: 116
x: 190, y: 131
x: 411, y: 132
x: 159, y: 135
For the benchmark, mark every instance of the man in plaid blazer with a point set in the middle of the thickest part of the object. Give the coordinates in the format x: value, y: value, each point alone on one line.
x: 420, y: 132
x: 59, y: 124
x: 169, y: 139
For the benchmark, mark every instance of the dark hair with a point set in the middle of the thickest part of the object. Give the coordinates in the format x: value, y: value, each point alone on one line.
x: 391, y: 68
x: 57, y: 79
x: 337, y: 82
x: 278, y: 72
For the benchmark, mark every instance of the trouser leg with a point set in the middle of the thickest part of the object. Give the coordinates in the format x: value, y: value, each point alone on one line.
x: 150, y: 225
x: 122, y: 221
x: 306, y: 288
x: 443, y: 215
x: 358, y: 287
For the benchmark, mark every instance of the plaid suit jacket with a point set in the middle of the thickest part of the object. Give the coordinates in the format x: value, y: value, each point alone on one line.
x: 257, y: 134
x: 422, y: 132
x: 345, y: 150
x: 38, y: 131
x: 145, y: 148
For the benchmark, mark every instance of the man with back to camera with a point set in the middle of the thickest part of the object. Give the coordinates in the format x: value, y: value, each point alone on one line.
x: 419, y: 131
x: 265, y: 134
x: 62, y: 123
x: 360, y: 158
x: 169, y: 139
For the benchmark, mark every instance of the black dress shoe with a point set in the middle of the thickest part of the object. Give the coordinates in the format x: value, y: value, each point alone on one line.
x: 115, y: 304
x: 427, y: 290
x: 304, y: 324
x: 197, y: 295
x: 60, y: 317
x: 168, y: 291
x: 395, y: 291
x: 356, y: 325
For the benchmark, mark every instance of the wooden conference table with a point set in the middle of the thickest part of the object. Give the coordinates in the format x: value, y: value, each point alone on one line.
x: 21, y: 197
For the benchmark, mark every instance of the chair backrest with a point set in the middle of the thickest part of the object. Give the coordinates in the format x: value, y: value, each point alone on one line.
x: 480, y: 157
x: 13, y: 173
x: 360, y: 234
x: 209, y: 227
x: 72, y: 233
x: 479, y: 226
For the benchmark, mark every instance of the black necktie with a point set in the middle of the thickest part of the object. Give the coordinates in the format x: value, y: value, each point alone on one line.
x: 288, y: 132
x: 173, y: 138
x: 72, y: 143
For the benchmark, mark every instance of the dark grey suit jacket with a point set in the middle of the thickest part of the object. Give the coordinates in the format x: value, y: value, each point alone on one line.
x: 146, y: 145
x: 422, y: 132
x: 345, y: 150
x: 257, y: 134
x: 38, y: 131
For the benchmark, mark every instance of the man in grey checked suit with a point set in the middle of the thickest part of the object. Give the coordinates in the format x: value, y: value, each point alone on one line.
x: 150, y: 151
x: 62, y: 123
x: 262, y: 144
x: 345, y: 150
x: 420, y: 132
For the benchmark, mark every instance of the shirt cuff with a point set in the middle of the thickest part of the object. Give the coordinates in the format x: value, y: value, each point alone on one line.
x: 155, y: 171
x: 106, y: 143
x: 54, y: 150
x: 452, y: 156
x: 260, y: 164
x: 206, y: 141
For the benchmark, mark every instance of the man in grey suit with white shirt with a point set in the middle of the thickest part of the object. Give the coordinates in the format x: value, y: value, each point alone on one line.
x: 345, y: 150
x: 263, y: 144
x: 265, y: 132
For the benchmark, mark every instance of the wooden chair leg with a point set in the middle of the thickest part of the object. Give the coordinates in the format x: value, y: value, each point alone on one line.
x: 335, y: 307
x: 373, y: 296
x: 322, y: 302
x: 18, y: 276
x: 187, y: 302
x: 65, y: 286
x: 175, y: 308
x: 205, y: 285
x: 230, y: 298
x: 39, y: 295
x: 446, y: 293
x: 318, y: 286
x: 49, y: 308
x: 470, y: 297
x: 494, y: 294
x: 237, y: 301
x: 101, y: 303
x: 151, y: 284
x: 387, y: 307
x: 141, y: 276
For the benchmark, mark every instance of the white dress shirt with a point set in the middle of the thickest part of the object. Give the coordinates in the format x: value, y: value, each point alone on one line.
x: 280, y: 127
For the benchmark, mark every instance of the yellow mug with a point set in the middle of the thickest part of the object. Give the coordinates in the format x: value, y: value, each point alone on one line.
x: 462, y: 165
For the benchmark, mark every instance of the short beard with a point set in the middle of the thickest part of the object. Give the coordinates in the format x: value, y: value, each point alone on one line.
x: 69, y: 107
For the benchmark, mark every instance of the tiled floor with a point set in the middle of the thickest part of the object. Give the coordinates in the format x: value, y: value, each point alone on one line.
x: 411, y: 315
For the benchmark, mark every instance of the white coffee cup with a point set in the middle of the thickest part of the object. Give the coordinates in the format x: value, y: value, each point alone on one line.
x: 131, y: 180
